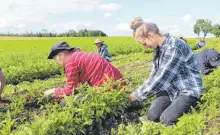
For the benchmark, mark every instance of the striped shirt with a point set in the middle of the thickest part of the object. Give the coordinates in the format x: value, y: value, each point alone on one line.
x: 174, y: 70
x: 88, y: 68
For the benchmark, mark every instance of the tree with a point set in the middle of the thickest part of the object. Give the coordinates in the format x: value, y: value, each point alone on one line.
x: 70, y: 33
x: 206, y: 27
x: 203, y: 25
x: 216, y: 30
x: 81, y: 33
x: 197, y: 29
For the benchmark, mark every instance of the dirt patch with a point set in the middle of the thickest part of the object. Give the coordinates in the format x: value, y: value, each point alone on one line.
x: 4, y: 102
x: 43, y: 78
x: 213, y: 124
x: 112, y: 122
x: 136, y: 64
x: 129, y: 115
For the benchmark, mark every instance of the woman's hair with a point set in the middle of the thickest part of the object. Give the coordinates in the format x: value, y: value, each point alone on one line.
x: 141, y: 28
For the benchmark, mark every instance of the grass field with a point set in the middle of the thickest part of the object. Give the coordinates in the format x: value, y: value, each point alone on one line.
x: 24, y: 62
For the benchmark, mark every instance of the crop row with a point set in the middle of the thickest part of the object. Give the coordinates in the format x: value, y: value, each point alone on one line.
x: 26, y: 60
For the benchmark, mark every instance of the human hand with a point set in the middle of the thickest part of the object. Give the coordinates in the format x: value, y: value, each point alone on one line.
x: 132, y: 98
x: 49, y: 92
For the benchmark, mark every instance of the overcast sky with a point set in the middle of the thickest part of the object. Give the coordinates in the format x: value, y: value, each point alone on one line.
x: 110, y: 16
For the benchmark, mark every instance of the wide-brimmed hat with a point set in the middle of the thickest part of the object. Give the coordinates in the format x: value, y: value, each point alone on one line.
x: 58, y: 47
x: 98, y: 41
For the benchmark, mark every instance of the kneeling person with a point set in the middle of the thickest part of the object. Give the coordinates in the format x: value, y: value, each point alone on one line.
x: 80, y: 68
x: 208, y: 60
x: 175, y: 78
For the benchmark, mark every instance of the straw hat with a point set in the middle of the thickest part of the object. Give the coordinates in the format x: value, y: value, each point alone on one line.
x: 98, y: 41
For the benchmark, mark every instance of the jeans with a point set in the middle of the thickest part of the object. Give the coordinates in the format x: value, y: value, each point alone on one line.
x: 162, y: 109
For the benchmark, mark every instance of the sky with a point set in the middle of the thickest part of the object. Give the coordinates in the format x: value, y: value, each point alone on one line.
x: 110, y: 16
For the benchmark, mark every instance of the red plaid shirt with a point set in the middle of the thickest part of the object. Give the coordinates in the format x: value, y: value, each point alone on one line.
x: 88, y: 68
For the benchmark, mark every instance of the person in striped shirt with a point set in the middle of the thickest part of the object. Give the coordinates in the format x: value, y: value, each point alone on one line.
x: 81, y: 68
x: 175, y: 78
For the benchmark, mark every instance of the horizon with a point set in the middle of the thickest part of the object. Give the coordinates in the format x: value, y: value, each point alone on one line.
x: 110, y: 16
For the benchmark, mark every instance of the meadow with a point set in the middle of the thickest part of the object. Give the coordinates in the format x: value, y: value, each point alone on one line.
x: 29, y: 73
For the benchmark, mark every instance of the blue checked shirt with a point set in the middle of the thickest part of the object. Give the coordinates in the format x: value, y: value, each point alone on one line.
x: 174, y: 70
x: 103, y: 52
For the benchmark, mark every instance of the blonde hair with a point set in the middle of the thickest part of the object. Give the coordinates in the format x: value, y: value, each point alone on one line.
x: 141, y: 28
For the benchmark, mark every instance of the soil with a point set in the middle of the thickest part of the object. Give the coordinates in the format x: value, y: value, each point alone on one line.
x: 46, y: 77
x: 130, y: 115
x: 3, y: 103
x: 214, y: 123
x: 49, y: 76
x: 136, y: 64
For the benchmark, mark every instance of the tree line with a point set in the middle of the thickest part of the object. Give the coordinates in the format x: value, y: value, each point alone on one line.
x: 70, y: 33
x: 205, y: 26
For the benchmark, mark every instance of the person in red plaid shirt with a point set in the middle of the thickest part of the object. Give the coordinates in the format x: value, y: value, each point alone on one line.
x: 80, y: 68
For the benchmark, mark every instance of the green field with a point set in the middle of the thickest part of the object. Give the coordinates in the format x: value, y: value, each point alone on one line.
x: 24, y: 62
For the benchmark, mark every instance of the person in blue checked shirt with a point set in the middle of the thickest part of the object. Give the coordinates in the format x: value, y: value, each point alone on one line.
x: 102, y: 49
x: 175, y: 78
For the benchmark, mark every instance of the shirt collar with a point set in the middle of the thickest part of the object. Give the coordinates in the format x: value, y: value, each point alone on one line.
x: 164, y: 43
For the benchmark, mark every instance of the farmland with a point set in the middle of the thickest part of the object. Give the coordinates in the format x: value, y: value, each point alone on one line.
x: 29, y: 74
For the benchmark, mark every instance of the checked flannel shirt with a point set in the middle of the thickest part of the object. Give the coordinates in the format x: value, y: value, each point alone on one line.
x: 174, y: 70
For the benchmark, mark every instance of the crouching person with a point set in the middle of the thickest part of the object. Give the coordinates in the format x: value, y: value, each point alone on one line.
x: 208, y: 60
x: 175, y: 78
x: 201, y: 43
x: 80, y: 68
x: 102, y: 49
